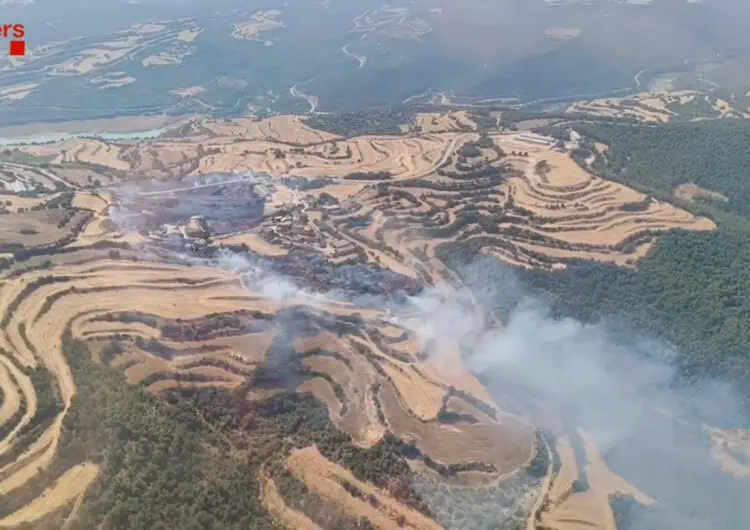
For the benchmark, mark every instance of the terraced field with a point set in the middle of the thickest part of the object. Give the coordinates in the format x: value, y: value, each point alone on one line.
x: 279, y: 146
x: 662, y: 107
x: 170, y: 327
x: 531, y: 208
x: 364, y: 228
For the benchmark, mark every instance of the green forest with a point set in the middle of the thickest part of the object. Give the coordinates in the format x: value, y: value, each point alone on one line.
x: 657, y: 158
x: 693, y: 291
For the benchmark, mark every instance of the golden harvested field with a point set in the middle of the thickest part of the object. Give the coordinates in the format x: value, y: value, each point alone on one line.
x: 281, y: 129
x: 255, y: 243
x: 11, y: 397
x: 37, y: 228
x: 435, y: 122
x: 326, y: 479
x: 560, y: 213
x: 457, y: 444
x: 644, y: 107
x: 571, y: 510
x: 274, y: 503
x: 95, y: 295
x: 280, y: 145
x: 70, y: 485
x: 660, y: 107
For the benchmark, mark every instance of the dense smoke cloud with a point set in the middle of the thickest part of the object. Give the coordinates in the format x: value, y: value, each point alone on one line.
x: 438, y: 315
x: 260, y: 280
x: 260, y: 276
x: 619, y: 388
x: 578, y: 368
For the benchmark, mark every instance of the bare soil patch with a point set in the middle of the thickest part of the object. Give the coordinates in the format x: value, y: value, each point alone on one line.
x: 690, y: 192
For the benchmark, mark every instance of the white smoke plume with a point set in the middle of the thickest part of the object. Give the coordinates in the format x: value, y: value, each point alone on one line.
x: 619, y: 388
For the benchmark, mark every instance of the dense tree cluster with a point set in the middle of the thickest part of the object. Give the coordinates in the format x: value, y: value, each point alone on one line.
x: 712, y: 154
x: 365, y: 122
x: 305, y: 184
